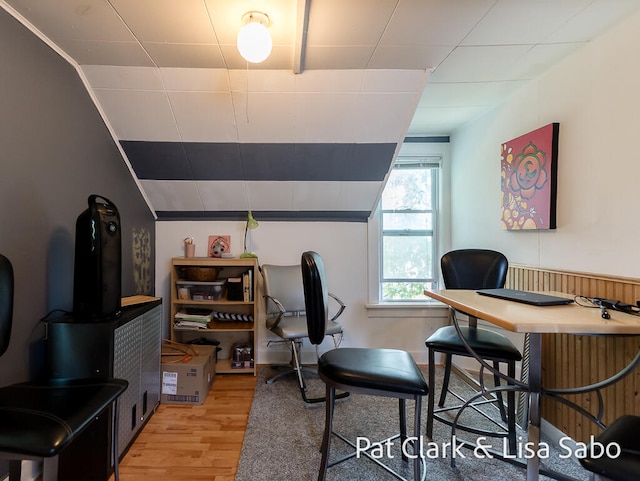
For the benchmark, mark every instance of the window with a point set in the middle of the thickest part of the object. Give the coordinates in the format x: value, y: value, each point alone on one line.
x: 408, y: 229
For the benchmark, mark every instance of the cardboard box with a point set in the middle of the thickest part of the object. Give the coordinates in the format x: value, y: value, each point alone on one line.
x: 188, y: 382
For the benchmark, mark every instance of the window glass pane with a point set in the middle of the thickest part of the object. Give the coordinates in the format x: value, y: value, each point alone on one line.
x: 406, y: 257
x: 407, y: 221
x: 408, y: 188
x: 405, y: 291
x: 408, y: 229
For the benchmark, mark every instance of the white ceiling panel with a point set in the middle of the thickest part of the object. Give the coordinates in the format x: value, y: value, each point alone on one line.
x: 515, y: 23
x: 408, y: 57
x: 264, y: 117
x: 123, y: 78
x: 223, y: 196
x: 434, y: 22
x: 479, y: 64
x: 139, y: 114
x: 442, y: 121
x: 196, y: 80
x: 204, y: 116
x: 325, y: 117
x: 598, y: 16
x: 185, y: 55
x: 330, y: 81
x: 173, y: 195
x: 467, y: 94
x: 394, y: 81
x: 75, y: 19
x: 540, y: 58
x: 338, y: 57
x: 273, y: 196
x: 334, y: 195
x: 167, y: 21
x: 380, y: 117
x: 262, y: 80
x: 92, y: 52
x: 352, y: 23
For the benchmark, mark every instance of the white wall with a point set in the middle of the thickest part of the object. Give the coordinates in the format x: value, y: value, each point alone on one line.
x: 343, y: 247
x: 594, y: 95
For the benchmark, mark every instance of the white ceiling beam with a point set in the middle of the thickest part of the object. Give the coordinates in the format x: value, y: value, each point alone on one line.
x: 300, y: 42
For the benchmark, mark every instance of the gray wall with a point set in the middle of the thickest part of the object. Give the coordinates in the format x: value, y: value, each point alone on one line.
x: 54, y: 152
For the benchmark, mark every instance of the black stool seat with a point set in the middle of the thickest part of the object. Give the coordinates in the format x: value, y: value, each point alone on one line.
x: 487, y: 344
x: 40, y: 419
x: 626, y: 467
x: 382, y: 370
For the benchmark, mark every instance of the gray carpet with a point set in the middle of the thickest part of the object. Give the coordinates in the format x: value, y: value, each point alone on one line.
x: 283, y: 437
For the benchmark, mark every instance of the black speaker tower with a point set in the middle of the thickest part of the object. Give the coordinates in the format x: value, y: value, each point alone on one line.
x: 98, y: 261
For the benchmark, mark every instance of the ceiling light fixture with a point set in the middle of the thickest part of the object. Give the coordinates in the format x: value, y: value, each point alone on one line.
x: 254, y: 39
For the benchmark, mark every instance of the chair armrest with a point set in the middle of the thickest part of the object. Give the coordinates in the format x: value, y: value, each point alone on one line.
x: 340, y: 303
x: 274, y: 321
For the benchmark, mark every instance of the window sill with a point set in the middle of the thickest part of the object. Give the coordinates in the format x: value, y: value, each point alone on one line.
x: 427, y: 308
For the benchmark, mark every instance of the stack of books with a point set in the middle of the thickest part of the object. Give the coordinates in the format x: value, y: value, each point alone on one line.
x: 193, y: 318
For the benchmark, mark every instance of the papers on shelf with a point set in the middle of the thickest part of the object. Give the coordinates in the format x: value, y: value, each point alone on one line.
x: 184, y: 324
x: 198, y: 318
x: 195, y: 314
x: 193, y: 318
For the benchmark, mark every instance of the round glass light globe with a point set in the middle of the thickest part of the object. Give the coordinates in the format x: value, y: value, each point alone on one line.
x: 254, y: 42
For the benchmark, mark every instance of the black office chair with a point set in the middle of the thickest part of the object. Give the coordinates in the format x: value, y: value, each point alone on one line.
x: 625, y: 466
x: 286, y: 317
x: 379, y: 372
x: 473, y: 269
x: 39, y: 419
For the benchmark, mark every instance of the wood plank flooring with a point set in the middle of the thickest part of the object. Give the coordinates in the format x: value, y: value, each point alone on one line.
x: 194, y: 443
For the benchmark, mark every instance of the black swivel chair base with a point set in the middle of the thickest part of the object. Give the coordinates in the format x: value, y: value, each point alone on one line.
x: 378, y: 372
x: 295, y: 367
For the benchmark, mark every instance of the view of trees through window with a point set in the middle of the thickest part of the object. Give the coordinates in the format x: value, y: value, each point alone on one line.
x: 408, y: 226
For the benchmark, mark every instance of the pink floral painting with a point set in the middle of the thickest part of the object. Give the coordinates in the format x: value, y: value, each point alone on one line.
x: 529, y: 180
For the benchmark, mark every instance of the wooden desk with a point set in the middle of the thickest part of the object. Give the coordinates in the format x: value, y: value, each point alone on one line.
x: 535, y: 321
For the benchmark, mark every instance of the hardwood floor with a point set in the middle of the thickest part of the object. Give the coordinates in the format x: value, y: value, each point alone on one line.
x: 194, y: 443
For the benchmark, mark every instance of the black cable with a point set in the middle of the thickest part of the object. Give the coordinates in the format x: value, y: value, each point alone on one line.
x: 604, y: 304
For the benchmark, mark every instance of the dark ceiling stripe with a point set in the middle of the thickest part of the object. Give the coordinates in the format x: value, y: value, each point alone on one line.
x: 296, y: 216
x: 427, y: 140
x: 259, y: 162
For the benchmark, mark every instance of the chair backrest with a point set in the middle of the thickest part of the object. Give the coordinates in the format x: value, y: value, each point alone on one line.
x: 285, y: 284
x: 474, y: 269
x: 316, y: 295
x: 6, y: 302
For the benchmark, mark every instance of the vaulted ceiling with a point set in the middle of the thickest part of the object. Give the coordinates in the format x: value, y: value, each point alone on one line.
x: 312, y: 132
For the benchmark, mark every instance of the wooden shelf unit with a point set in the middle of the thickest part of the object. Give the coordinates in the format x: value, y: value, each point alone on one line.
x: 227, y: 333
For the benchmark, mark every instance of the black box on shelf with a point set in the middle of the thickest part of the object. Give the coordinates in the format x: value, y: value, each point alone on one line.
x: 234, y: 289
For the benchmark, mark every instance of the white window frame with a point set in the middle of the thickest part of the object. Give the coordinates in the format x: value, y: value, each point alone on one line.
x: 442, y: 237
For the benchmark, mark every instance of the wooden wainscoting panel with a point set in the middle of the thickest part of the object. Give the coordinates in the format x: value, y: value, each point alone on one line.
x: 570, y: 361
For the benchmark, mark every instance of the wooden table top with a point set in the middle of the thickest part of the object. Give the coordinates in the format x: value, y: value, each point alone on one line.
x: 519, y: 317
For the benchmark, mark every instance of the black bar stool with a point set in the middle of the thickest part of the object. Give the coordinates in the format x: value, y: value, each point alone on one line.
x: 379, y: 372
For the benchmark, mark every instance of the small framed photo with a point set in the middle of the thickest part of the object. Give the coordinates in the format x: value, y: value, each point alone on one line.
x: 219, y: 246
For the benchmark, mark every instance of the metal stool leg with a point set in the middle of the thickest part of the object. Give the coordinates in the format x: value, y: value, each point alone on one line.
x: 445, y: 380
x: 328, y: 429
x: 430, y: 400
x: 496, y: 380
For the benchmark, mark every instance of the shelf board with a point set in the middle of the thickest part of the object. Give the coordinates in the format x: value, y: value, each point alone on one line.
x: 223, y: 366
x: 221, y: 302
